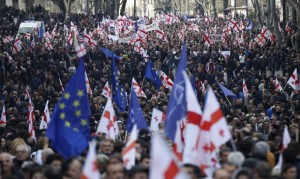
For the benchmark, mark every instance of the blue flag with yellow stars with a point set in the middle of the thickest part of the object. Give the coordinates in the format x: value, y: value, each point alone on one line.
x: 118, y: 93
x: 135, y: 114
x: 151, y: 75
x: 69, y: 129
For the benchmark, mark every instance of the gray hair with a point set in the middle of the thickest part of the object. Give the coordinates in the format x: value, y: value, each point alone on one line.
x: 261, y: 148
x: 236, y: 158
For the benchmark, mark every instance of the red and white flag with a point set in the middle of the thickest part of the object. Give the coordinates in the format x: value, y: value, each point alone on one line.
x: 157, y: 117
x: 181, y: 35
x: 265, y: 33
x: 8, y: 57
x: 87, y: 84
x: 203, y: 89
x: 277, y: 86
x: 31, y: 130
x: 137, y: 89
x: 178, y: 144
x: 106, y: 91
x: 129, y: 151
x: 46, y: 117
x: 90, y: 168
x: 285, y: 142
x: 245, y: 89
x: 48, y: 45
x: 30, y: 112
x: 214, y: 132
x: 17, y: 45
x: 166, y: 81
x: 206, y: 40
x: 234, y: 25
x: 53, y: 33
x: 192, y: 129
x: 70, y: 38
x: 294, y: 80
x: 161, y: 35
x: 86, y: 37
x: 3, y: 116
x: 143, y: 34
x: 73, y: 27
x: 80, y: 50
x: 108, y: 123
x: 8, y: 39
x: 163, y: 164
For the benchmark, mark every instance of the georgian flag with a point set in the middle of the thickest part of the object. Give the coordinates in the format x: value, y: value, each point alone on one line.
x: 285, y: 142
x: 245, y: 90
x: 53, y: 33
x: 161, y: 35
x: 129, y: 151
x: 234, y: 25
x: 137, y: 89
x: 260, y: 40
x: 157, y: 117
x: 48, y: 45
x: 207, y: 40
x: 108, y: 123
x: 167, y: 82
x: 46, y: 117
x: 181, y: 35
x: 91, y: 169
x: 277, y: 86
x: 80, y: 50
x: 17, y: 45
x: 265, y: 33
x: 86, y: 37
x: 163, y: 164
x: 106, y: 91
x: 8, y: 39
x: 70, y: 38
x: 294, y: 80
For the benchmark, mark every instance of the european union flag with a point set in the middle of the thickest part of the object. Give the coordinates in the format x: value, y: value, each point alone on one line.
x: 69, y: 129
x: 135, y: 113
x: 226, y: 91
x: 177, y: 104
x: 118, y: 94
x: 41, y: 32
x: 110, y: 54
x: 151, y: 75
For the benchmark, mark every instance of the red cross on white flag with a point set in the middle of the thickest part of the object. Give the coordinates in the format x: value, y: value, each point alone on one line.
x: 157, y: 117
x: 294, y: 80
x: 106, y: 91
x: 137, y: 89
x: 129, y: 151
x: 167, y: 82
x: 245, y: 89
x: 108, y: 122
x: 46, y: 117
x: 90, y: 168
x: 80, y: 50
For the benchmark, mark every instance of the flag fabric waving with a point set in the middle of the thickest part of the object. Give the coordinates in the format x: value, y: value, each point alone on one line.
x: 87, y: 83
x: 137, y: 89
x: 135, y: 113
x: 129, y: 151
x: 245, y: 89
x: 117, y: 91
x: 226, y: 91
x: 90, y: 168
x: 110, y: 54
x: 157, y: 117
x: 106, y: 91
x: 293, y: 80
x: 69, y: 129
x: 177, y: 103
x: 151, y: 75
x: 277, y: 86
x: 192, y: 131
x: 46, y: 117
x: 3, y: 116
x: 108, y: 123
x: 163, y: 165
x: 285, y: 142
x: 166, y: 81
x: 214, y: 131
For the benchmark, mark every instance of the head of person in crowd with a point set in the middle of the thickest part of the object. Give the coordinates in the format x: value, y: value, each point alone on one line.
x: 106, y: 146
x: 193, y: 171
x: 72, y: 168
x: 138, y: 172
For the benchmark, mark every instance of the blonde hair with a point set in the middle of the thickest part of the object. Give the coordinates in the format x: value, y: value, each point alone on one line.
x: 15, y: 143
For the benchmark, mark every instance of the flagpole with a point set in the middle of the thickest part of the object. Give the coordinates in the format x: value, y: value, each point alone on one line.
x: 143, y: 82
x: 228, y: 100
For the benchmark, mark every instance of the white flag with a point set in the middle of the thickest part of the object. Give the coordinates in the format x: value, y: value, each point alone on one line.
x: 285, y: 142
x: 129, y: 150
x: 137, y: 89
x: 245, y: 89
x: 87, y: 84
x: 167, y: 82
x: 46, y: 117
x: 106, y: 91
x: 157, y: 117
x: 293, y: 80
x: 108, y: 123
x: 90, y: 168
x: 277, y: 86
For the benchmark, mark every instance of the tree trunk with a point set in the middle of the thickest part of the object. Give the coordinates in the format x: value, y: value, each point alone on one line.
x: 214, y: 9
x: 296, y: 5
x: 275, y: 23
x: 258, y: 12
x: 68, y: 7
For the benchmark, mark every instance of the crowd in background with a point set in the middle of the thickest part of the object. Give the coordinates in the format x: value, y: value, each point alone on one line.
x: 256, y: 133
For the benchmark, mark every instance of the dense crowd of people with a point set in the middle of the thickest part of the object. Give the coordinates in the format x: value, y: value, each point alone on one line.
x: 257, y: 134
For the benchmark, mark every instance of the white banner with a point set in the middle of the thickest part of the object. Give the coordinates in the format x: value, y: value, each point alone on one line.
x: 215, y: 37
x: 153, y: 26
x: 126, y: 39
